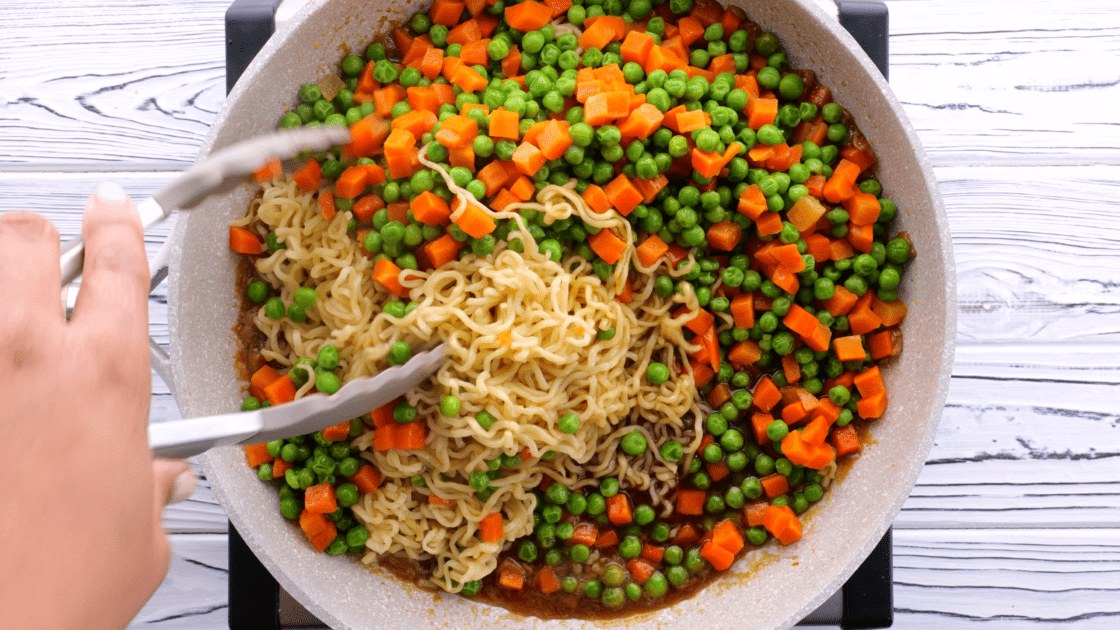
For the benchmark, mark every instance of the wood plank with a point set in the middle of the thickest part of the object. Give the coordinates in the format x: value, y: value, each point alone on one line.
x: 126, y: 85
x: 947, y: 579
x: 1012, y: 89
x: 1035, y: 252
x: 1025, y: 441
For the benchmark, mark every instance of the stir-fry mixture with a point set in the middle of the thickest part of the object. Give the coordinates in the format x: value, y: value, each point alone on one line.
x: 744, y: 202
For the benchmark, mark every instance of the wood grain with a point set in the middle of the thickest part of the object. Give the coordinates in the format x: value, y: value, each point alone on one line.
x: 995, y: 83
x: 116, y: 85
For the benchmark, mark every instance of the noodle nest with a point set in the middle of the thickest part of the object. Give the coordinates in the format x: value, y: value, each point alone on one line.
x: 521, y: 332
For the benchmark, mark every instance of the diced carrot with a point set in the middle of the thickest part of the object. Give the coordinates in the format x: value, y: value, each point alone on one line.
x: 720, y: 558
x: 397, y: 211
x: 261, y: 379
x: 468, y: 79
x: 387, y: 274
x: 554, y: 140
x: 690, y: 30
x: 718, y: 470
x: 559, y: 7
x: 651, y: 250
x: 475, y: 54
x: 280, y: 391
x: 546, y: 577
x: 367, y: 479
x: 244, y: 241
x: 686, y: 535
x: 618, y: 509
x: 443, y: 250
x: 690, y: 502
x: 725, y: 235
x: 446, y: 12
x: 386, y: 97
x: 761, y: 111
x: 727, y: 535
x: 841, y: 185
x: 410, y: 436
x: 636, y: 47
x: 604, y: 30
x: 584, y: 533
x: 752, y: 203
x: 844, y: 440
x: 366, y: 207
x: 849, y: 348
x: 465, y: 33
x: 769, y: 223
x: 503, y: 124
x: 742, y: 310
x: 861, y: 237
x: 279, y: 467
x: 511, y: 580
x: 528, y: 158
x: 429, y: 209
x: 889, y: 313
x: 753, y: 513
x: 872, y: 406
x: 653, y: 553
x: 815, y: 432
x: 641, y: 569
x: 766, y: 394
x: 863, y: 158
x: 608, y: 246
x: 269, y: 171
x: 745, y: 353
x: 702, y: 374
x: 606, y: 539
x: 596, y: 199
x: 457, y: 131
x: 720, y: 394
x: 338, y: 432
x: 320, y: 499
x: 257, y: 454
x: 491, y: 527
x: 309, y: 176
x: 863, y: 208
x: 869, y: 382
x: 861, y: 318
x: 782, y: 523
x: 318, y: 529
x: 528, y: 15
x: 476, y: 222
x: 435, y: 499
x: 775, y: 485
x: 887, y: 343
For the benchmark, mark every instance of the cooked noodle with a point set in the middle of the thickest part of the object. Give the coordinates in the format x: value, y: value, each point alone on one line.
x: 520, y: 331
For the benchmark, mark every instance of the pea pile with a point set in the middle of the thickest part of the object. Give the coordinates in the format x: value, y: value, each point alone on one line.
x: 720, y: 148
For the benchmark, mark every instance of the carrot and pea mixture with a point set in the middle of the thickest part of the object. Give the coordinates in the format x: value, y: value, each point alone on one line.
x: 685, y: 118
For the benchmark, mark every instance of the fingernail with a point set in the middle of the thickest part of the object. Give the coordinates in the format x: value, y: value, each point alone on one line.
x: 184, y: 487
x: 111, y: 193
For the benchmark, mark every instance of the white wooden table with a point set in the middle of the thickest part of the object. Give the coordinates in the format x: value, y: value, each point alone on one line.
x: 1015, y: 521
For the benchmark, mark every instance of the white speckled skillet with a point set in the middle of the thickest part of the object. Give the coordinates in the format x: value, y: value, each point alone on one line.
x: 772, y: 588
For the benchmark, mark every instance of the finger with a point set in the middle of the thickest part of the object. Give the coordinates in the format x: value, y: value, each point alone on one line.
x: 173, y: 482
x: 29, y: 266
x: 115, y: 279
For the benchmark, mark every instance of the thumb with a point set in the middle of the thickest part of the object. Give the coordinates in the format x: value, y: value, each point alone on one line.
x: 173, y: 482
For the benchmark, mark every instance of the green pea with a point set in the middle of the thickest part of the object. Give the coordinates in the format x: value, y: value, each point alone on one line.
x: 608, y: 487
x: 327, y: 382
x: 568, y: 423
x: 657, y: 373
x: 633, y: 443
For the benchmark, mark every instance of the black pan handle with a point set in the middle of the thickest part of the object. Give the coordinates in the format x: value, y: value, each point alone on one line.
x: 249, y: 24
x: 868, y: 22
x: 869, y: 593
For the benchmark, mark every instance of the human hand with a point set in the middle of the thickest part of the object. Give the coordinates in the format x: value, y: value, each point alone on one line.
x: 83, y: 546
